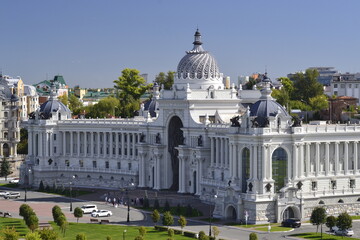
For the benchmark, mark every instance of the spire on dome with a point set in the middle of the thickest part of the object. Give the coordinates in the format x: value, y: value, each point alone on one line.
x: 266, y: 91
x: 53, y: 91
x: 197, y: 43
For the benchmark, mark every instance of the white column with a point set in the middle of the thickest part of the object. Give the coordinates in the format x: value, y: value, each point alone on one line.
x: 269, y: 160
x: 327, y: 158
x: 46, y: 144
x: 199, y: 177
x: 317, y: 159
x: 98, y: 144
x: 355, y: 157
x: 30, y: 143
x: 255, y: 163
x: 180, y: 175
x: 92, y: 150
x: 117, y: 145
x: 111, y: 144
x: 212, y: 152
x: 308, y: 161
x: 295, y: 161
x: 128, y: 145
x: 337, y: 158
x: 51, y: 149
x: 222, y: 160
x: 227, y: 159
x: 41, y: 144
x: 123, y: 145
x: 231, y: 164
x: 85, y: 144
x: 78, y: 143
x: 141, y: 166
x: 71, y: 143
x: 217, y: 159
x: 105, y: 134
x: 183, y: 174
x: 133, y: 145
x: 64, y: 142
x: 301, y: 161
x: 264, y: 162
x: 346, y: 158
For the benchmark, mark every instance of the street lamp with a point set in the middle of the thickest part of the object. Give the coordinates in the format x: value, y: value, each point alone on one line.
x: 211, y: 215
x: 27, y: 183
x: 73, y: 177
x: 124, y: 234
x: 128, y: 202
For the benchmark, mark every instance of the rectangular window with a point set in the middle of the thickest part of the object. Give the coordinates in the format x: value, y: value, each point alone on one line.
x: 81, y: 163
x: 94, y: 164
x: 333, y: 184
x: 106, y: 164
x: 54, y: 137
x: 119, y: 165
x: 67, y: 163
x: 352, y: 183
x: 313, y: 186
x: 129, y: 164
x: 5, y: 114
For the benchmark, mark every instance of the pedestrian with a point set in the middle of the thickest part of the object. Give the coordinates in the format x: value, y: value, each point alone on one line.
x: 106, y: 199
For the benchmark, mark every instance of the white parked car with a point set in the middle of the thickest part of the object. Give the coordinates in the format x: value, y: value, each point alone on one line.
x: 15, y: 180
x: 89, y: 208
x: 346, y: 232
x: 11, y: 195
x: 101, y: 213
x: 3, y: 193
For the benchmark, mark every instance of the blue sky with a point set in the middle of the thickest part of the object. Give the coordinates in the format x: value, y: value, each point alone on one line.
x: 89, y: 42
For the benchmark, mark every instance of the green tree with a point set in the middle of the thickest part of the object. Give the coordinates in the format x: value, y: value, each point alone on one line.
x: 182, y: 222
x: 56, y: 212
x: 10, y: 233
x: 171, y: 232
x: 306, y: 85
x: 215, y: 231
x: 253, y: 236
x: 130, y: 86
x: 166, y: 80
x: 319, y: 102
x: 288, y: 85
x: 5, y: 168
x: 156, y: 204
x: 64, y: 99
x: 33, y: 236
x: 155, y: 216
x: 282, y: 97
x: 24, y: 210
x: 41, y: 186
x: 22, y: 147
x: 104, y: 108
x: 330, y: 222
x: 78, y: 213
x: 62, y: 223
x: 318, y: 217
x: 48, y: 234
x: 32, y: 222
x: 344, y: 221
x: 142, y: 231
x: 167, y: 219
x: 81, y: 236
x: 75, y: 104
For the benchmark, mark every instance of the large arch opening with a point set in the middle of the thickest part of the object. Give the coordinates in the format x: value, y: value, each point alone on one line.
x: 291, y: 212
x: 175, y: 138
x: 279, y: 168
x: 6, y: 150
x: 245, y: 160
x: 230, y: 213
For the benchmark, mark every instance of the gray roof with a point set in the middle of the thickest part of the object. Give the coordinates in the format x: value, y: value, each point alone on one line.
x: 52, y: 106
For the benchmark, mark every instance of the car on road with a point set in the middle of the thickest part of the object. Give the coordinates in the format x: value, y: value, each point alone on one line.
x: 347, y: 232
x: 89, y: 208
x: 101, y: 213
x: 3, y: 193
x: 12, y: 195
x: 15, y: 180
x: 291, y: 222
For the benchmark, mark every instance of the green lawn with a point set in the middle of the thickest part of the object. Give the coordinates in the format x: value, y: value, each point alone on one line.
x: 19, y: 225
x: 275, y: 227
x: 317, y: 236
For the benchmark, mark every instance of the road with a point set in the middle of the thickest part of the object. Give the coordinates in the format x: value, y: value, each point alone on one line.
x: 42, y: 204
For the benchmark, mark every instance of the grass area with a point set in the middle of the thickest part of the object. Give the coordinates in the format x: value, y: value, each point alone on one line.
x: 273, y: 229
x: 93, y: 231
x: 177, y: 211
x: 18, y: 224
x: 99, y: 232
x: 355, y: 217
x: 317, y: 236
x: 9, y: 185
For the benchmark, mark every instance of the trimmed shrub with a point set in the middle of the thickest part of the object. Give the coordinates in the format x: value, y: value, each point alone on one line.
x: 202, y: 236
x: 170, y: 232
x: 190, y: 234
x: 156, y: 204
x: 161, y: 228
x: 41, y: 186
x: 146, y: 203
x: 80, y: 236
x: 142, y: 231
x: 253, y: 236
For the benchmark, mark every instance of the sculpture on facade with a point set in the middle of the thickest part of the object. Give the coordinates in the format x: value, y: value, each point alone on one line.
x: 296, y: 121
x: 157, y: 138
x: 250, y: 187
x: 235, y: 121
x: 268, y: 187
x: 142, y: 137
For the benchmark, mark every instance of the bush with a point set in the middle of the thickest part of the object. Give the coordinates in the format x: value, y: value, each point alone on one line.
x: 139, y: 238
x: 146, y: 203
x: 167, y: 219
x: 156, y: 204
x: 48, y: 234
x: 142, y: 231
x: 202, y: 236
x: 32, y: 222
x: 170, y: 232
x: 108, y: 238
x: 190, y: 234
x: 32, y: 236
x: 161, y: 228
x: 178, y: 209
x: 80, y: 236
x: 167, y: 206
x: 177, y: 232
x: 253, y: 236
x: 330, y: 222
x: 25, y: 210
x: 10, y: 233
x: 47, y: 188
x: 41, y: 186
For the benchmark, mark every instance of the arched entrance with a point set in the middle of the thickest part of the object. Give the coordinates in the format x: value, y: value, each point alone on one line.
x: 291, y: 212
x: 279, y: 168
x: 6, y: 150
x: 175, y: 138
x: 230, y: 213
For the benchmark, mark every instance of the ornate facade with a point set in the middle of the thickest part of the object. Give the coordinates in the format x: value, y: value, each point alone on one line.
x: 237, y: 149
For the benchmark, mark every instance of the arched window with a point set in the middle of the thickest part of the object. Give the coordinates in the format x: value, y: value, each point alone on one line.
x: 341, y: 201
x: 279, y: 168
x: 321, y: 202
x: 245, y: 157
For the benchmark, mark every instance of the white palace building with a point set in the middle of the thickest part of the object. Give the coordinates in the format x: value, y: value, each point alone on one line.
x: 237, y: 149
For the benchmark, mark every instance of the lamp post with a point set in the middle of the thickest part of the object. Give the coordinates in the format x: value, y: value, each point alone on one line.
x: 128, y: 202
x: 73, y: 177
x: 211, y: 215
x: 27, y: 183
x: 124, y: 234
